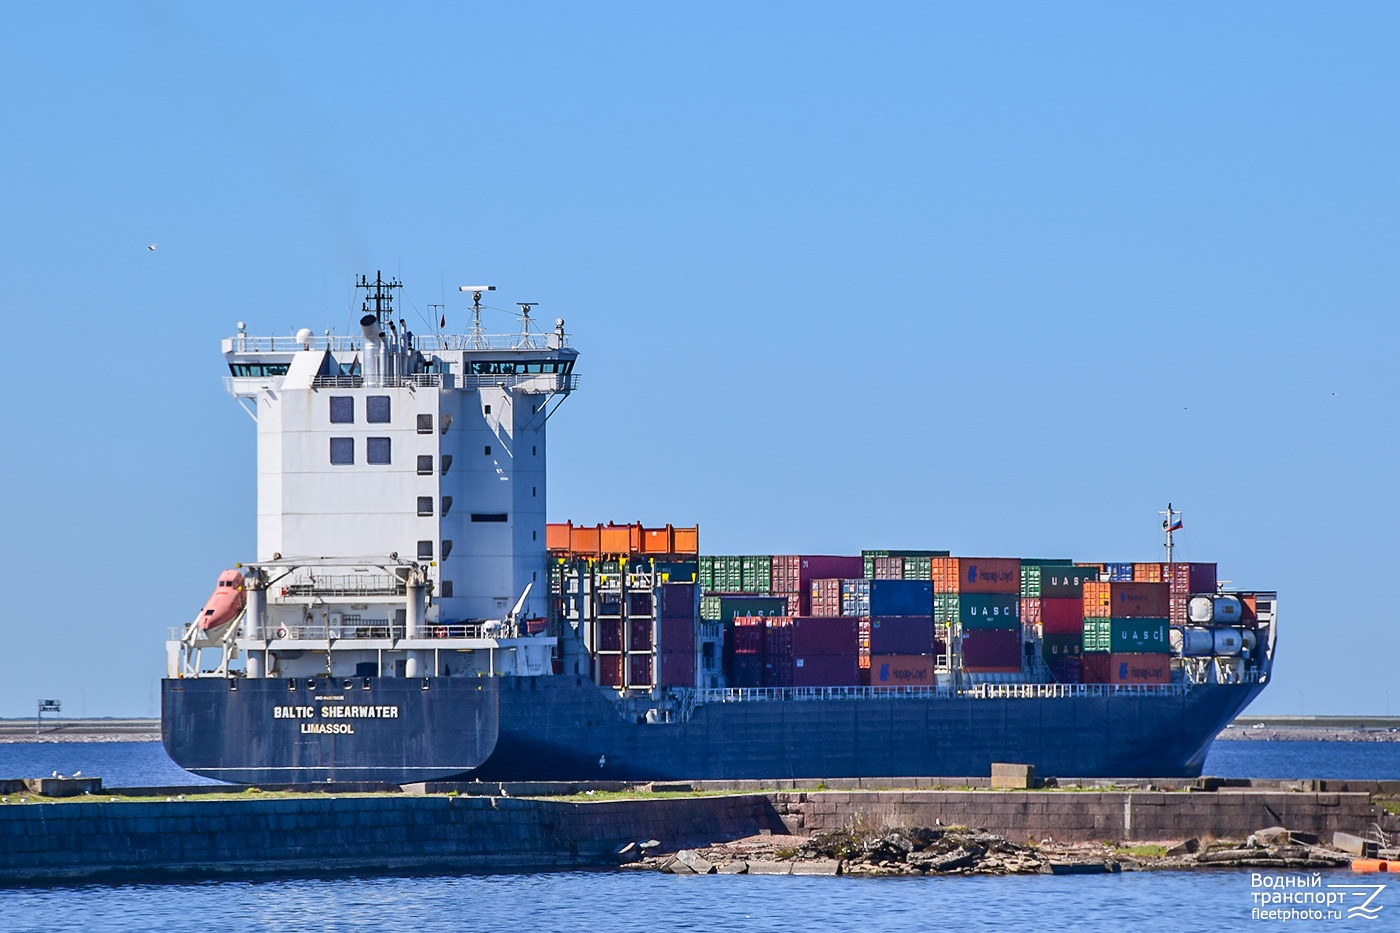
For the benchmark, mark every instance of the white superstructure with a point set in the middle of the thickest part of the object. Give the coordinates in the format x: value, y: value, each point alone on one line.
x: 401, y: 490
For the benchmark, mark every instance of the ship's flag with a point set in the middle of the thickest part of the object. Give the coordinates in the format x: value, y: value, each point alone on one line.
x: 1176, y: 527
x: 443, y: 322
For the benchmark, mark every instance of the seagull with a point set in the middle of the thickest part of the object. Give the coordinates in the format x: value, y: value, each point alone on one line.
x: 77, y: 774
x: 152, y: 247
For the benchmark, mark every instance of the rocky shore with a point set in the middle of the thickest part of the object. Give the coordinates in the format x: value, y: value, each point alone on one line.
x: 953, y: 850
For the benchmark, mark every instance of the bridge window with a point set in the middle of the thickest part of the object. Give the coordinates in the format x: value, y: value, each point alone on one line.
x: 377, y: 409
x: 258, y: 369
x: 342, y: 451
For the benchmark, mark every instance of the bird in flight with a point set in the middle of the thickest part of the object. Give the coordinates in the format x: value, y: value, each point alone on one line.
x: 151, y: 247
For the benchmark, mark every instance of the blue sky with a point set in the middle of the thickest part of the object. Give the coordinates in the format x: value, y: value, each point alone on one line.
x: 998, y: 278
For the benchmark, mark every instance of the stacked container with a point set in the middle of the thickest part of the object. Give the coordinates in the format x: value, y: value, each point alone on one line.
x: 676, y: 629
x: 1126, y: 622
x: 810, y: 651
x: 744, y: 651
x: 1187, y: 580
x: 791, y: 575
x: 980, y: 599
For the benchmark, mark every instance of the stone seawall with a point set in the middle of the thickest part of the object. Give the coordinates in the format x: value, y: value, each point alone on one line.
x: 1083, y: 816
x: 57, y: 842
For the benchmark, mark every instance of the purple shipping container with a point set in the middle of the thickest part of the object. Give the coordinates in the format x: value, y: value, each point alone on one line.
x: 640, y: 630
x: 794, y: 573
x: 812, y: 636
x: 744, y: 670
x: 992, y: 650
x: 609, y: 635
x: 825, y: 671
x: 678, y: 635
x: 639, y: 666
x: 639, y: 604
x: 678, y: 601
x: 901, y: 635
x: 677, y: 669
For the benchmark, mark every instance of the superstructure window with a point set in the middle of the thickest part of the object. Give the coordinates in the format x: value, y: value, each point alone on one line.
x: 425, y: 464
x: 425, y: 424
x: 446, y: 548
x: 342, y: 451
x: 488, y: 409
x: 488, y: 516
x: 446, y: 505
x: 258, y: 369
x: 377, y: 409
x: 488, y: 450
x: 342, y: 409
x: 425, y: 550
x: 446, y: 589
x: 377, y: 451
x: 425, y: 505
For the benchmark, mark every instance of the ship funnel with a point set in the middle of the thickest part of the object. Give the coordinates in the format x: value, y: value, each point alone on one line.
x: 369, y: 326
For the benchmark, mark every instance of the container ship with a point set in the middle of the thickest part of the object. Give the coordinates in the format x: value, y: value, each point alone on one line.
x: 412, y: 616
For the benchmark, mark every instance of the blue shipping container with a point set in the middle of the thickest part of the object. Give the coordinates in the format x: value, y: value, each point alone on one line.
x: 1120, y: 572
x: 901, y: 597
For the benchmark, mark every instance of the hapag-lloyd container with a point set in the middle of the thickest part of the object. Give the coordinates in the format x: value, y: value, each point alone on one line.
x: 978, y: 610
x: 1139, y: 669
x: 899, y: 635
x: 1133, y: 635
x: 1061, y: 615
x: 1121, y: 600
x: 901, y: 670
x: 992, y: 650
x: 901, y: 597
x: 976, y: 574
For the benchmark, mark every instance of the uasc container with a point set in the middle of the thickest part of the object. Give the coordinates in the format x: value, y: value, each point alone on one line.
x: 1066, y: 581
x: 1130, y: 635
x: 978, y: 610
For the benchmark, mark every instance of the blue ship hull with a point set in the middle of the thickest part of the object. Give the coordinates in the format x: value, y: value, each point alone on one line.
x: 395, y: 731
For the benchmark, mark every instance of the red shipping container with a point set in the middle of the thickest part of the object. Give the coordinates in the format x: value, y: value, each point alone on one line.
x: 1179, y: 614
x: 901, y: 670
x: 1061, y: 616
x: 1095, y: 668
x: 639, y: 667
x: 746, y: 635
x: 1139, y: 669
x: 640, y: 630
x: 1126, y: 600
x: 901, y: 635
x: 678, y: 635
x: 609, y: 635
x: 777, y: 641
x: 976, y: 574
x: 1030, y: 611
x: 1192, y: 579
x: 677, y: 669
x: 825, y: 670
x: 992, y: 650
x: 794, y: 573
x: 825, y: 598
x: 889, y: 568
x: 609, y: 670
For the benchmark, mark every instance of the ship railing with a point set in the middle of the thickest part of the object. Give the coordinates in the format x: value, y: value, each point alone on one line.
x: 355, y: 584
x: 978, y: 692
x: 247, y: 343
x: 421, y: 380
x: 544, y: 382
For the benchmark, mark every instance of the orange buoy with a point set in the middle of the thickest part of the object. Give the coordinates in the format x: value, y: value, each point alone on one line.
x: 1369, y: 866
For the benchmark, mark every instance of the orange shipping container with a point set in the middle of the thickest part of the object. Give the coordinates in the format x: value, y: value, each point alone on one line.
x: 556, y: 536
x: 584, y: 540
x: 1127, y: 600
x: 687, y: 540
x: 1139, y: 669
x: 901, y: 670
x: 1148, y: 573
x: 976, y: 574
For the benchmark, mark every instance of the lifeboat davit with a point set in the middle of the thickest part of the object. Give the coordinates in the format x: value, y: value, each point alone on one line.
x: 225, y: 604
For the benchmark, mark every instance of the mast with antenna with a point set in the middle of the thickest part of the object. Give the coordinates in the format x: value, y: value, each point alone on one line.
x: 476, y: 339
x: 1170, y: 523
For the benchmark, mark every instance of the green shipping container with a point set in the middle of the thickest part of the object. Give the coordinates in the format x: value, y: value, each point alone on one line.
x: 705, y: 574
x: 1054, y: 647
x: 1061, y: 580
x: 1126, y: 636
x: 756, y: 574
x: 978, y: 610
x: 709, y: 608
x: 728, y: 575
x: 731, y: 606
x: 917, y: 560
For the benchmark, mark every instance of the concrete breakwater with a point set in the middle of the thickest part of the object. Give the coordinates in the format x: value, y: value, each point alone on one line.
x: 252, y: 835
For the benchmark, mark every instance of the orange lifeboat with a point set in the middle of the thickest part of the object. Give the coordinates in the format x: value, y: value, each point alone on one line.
x: 225, y: 604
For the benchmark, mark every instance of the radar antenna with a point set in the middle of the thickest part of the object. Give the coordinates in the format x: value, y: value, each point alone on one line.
x: 476, y: 338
